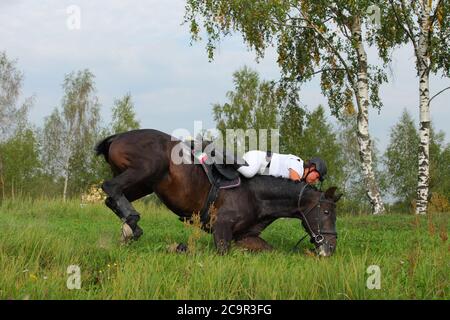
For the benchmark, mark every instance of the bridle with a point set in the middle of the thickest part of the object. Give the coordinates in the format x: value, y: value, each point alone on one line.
x: 318, y: 237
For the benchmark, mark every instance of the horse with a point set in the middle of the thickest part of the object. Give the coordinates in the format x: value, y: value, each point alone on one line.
x: 141, y: 163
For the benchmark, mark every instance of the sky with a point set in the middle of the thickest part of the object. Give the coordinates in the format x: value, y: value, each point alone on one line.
x: 142, y: 47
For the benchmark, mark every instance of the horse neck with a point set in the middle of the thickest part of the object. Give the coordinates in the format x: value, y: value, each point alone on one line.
x: 281, y: 198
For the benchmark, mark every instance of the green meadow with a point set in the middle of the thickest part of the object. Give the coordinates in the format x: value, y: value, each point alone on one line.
x: 40, y: 239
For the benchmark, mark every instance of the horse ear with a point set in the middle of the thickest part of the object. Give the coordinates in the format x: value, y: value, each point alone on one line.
x: 337, y: 197
x: 329, y: 194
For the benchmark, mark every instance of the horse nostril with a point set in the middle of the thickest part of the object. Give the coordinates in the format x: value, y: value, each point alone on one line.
x: 325, y: 250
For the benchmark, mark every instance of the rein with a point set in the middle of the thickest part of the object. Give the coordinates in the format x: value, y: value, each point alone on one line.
x: 316, y: 238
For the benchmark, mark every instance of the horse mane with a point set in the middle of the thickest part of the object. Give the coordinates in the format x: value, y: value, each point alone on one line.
x: 278, y: 186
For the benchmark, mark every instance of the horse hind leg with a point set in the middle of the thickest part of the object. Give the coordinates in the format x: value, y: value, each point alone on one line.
x: 130, y: 228
x: 120, y: 205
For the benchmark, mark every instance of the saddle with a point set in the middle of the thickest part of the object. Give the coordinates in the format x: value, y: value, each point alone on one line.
x: 220, y: 174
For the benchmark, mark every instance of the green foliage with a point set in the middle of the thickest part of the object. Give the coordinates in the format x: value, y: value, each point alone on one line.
x: 401, y: 159
x: 123, y: 115
x: 438, y: 203
x: 291, y: 128
x: 311, y: 37
x: 402, y: 23
x: 439, y: 164
x: 253, y: 104
x: 19, y: 154
x: 13, y: 116
x: 20, y: 164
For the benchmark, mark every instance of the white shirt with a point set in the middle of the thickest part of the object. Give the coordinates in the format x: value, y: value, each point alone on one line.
x: 281, y: 163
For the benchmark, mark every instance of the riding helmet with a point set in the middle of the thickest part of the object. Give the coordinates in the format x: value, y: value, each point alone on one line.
x: 321, y: 167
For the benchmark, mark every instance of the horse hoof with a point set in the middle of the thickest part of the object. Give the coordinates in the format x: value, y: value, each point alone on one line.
x: 181, y: 248
x: 127, y: 233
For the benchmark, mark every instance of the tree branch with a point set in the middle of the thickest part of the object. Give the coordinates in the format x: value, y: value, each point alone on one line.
x: 322, y: 70
x: 410, y: 28
x: 332, y: 48
x: 434, y: 16
x: 429, y: 101
x: 400, y: 23
x: 430, y: 31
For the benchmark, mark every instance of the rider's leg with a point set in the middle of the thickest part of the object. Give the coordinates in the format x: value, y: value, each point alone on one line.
x: 255, y: 160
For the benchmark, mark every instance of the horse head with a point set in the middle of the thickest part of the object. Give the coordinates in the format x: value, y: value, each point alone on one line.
x: 318, y: 214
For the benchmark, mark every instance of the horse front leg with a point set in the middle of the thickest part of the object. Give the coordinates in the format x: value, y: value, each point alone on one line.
x: 223, y: 232
x: 254, y: 244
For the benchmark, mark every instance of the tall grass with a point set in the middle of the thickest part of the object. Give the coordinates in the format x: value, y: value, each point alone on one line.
x: 39, y: 239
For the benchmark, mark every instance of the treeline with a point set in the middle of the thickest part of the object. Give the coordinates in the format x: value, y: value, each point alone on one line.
x: 57, y: 159
x: 255, y: 104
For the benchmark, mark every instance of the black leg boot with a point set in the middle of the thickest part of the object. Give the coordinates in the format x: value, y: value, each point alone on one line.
x: 132, y: 221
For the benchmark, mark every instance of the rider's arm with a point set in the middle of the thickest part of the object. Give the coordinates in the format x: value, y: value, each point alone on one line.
x: 293, y: 175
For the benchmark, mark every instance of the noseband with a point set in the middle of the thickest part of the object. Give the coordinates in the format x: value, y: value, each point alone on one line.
x: 318, y: 237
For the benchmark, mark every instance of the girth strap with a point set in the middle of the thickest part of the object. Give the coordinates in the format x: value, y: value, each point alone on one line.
x: 212, y: 196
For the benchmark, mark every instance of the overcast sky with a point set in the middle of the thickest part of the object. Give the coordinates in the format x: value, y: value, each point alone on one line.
x: 142, y: 47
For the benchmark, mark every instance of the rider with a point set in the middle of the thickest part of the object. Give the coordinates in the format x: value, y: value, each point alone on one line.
x: 283, y: 165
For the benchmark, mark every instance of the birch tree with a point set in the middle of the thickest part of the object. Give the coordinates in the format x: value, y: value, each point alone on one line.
x: 69, y: 132
x: 425, y: 25
x: 311, y: 37
x: 13, y: 114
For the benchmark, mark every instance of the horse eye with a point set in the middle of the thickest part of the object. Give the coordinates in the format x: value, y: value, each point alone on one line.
x: 326, y: 212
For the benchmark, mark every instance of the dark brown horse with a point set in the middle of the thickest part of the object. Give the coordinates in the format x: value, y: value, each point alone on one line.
x: 141, y: 163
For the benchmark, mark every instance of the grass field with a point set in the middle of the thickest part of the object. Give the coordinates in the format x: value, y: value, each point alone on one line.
x: 40, y: 239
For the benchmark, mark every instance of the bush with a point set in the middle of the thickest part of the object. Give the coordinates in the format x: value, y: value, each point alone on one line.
x: 438, y: 203
x: 94, y: 194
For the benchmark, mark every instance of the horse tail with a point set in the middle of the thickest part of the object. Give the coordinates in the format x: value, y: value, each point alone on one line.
x: 103, y: 146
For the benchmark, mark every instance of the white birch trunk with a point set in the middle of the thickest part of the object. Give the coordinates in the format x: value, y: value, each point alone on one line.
x: 365, y: 146
x: 423, y: 63
x: 69, y: 146
x: 66, y: 179
x: 2, y: 181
